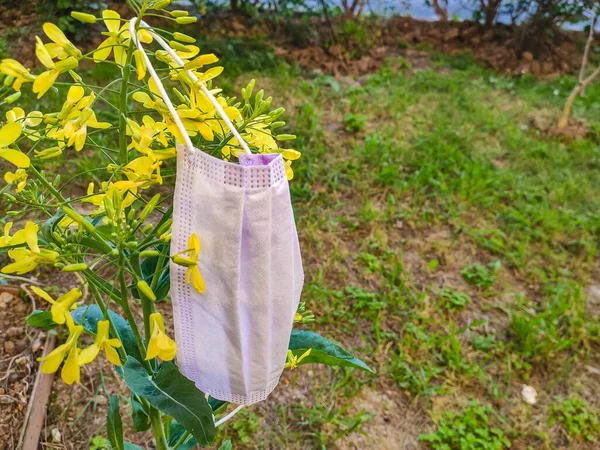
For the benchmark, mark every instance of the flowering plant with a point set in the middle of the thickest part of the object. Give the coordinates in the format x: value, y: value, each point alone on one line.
x: 114, y: 238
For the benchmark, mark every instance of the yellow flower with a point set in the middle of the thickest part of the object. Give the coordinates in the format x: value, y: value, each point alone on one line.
x: 61, y: 47
x: 27, y: 258
x: 17, y: 71
x: 18, y: 178
x: 160, y: 344
x: 9, y: 133
x: 75, y: 131
x: 126, y: 190
x: 62, y: 305
x: 293, y: 361
x: 33, y: 119
x: 5, y: 240
x: 71, y: 369
x: 145, y: 135
x: 102, y: 342
x: 116, y: 40
x: 140, y: 64
x: 193, y: 273
x: 46, y: 79
x: 142, y: 170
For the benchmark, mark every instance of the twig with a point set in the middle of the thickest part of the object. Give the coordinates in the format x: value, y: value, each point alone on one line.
x: 586, y: 52
x: 582, y: 83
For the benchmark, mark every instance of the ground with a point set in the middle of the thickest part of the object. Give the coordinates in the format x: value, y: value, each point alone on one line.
x: 449, y: 239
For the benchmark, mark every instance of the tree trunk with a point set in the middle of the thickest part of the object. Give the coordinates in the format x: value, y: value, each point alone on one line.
x: 441, y: 12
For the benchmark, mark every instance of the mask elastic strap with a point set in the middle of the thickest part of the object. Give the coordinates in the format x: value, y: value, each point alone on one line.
x: 194, y: 78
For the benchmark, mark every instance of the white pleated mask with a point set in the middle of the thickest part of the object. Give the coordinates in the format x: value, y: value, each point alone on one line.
x: 232, y: 339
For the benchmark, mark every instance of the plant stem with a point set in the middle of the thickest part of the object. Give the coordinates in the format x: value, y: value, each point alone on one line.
x: 157, y: 429
x: 123, y: 105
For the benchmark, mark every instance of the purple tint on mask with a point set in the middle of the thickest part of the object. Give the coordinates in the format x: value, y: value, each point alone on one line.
x: 257, y: 159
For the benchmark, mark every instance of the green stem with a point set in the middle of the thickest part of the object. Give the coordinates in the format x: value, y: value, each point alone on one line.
x: 104, y: 310
x: 128, y: 314
x: 158, y: 430
x: 123, y: 104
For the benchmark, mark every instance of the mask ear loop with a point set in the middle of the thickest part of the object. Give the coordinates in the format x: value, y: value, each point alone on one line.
x: 194, y: 78
x: 179, y: 124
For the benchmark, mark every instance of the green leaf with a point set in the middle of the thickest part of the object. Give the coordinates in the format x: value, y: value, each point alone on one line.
x: 130, y: 446
x: 89, y: 315
x: 323, y: 351
x: 141, y: 420
x: 102, y: 284
x: 173, y: 394
x: 176, y: 431
x: 114, y: 426
x: 41, y: 319
x: 226, y: 445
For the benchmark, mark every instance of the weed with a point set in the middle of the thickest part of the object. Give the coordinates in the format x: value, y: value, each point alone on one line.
x: 354, y: 123
x: 481, y: 276
x: 452, y: 300
x: 471, y: 429
x: 576, y: 417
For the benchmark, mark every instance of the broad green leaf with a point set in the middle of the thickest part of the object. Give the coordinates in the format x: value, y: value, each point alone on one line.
x: 114, y: 426
x: 323, y: 351
x: 173, y: 394
x: 89, y: 315
x: 41, y: 319
x: 141, y: 420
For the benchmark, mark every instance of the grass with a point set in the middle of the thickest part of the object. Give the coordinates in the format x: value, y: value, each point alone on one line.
x: 447, y: 242
x: 450, y: 243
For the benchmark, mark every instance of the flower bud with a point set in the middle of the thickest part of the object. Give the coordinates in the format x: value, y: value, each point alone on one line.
x: 13, y: 97
x: 79, y: 219
x: 164, y: 227
x: 186, y: 20
x: 183, y: 261
x: 83, y: 17
x: 147, y: 228
x: 75, y: 267
x: 179, y: 46
x: 161, y: 4
x: 75, y: 77
x: 285, y: 137
x: 179, y: 95
x: 276, y: 113
x: 184, y: 38
x: 277, y: 124
x: 146, y: 291
x: 179, y: 13
x: 149, y: 253
x: 8, y: 80
x: 149, y: 207
x: 131, y: 245
x: 247, y: 91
